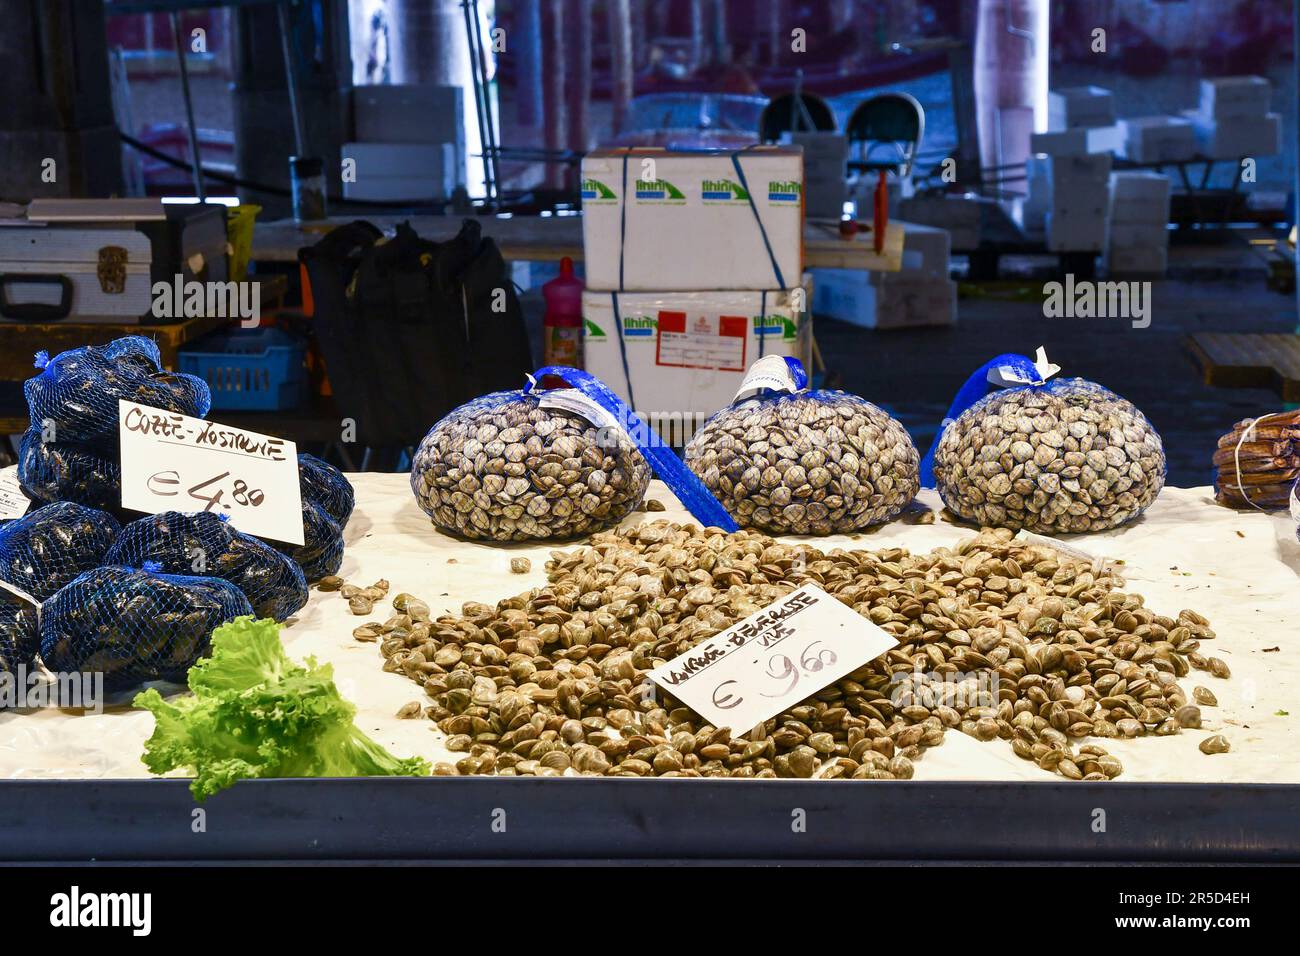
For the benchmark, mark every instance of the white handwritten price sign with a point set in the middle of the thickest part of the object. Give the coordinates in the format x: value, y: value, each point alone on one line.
x: 772, y: 660
x: 13, y: 503
x: 172, y: 462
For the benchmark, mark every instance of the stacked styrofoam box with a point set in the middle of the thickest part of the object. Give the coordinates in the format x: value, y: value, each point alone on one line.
x: 825, y: 159
x: 920, y: 294
x: 410, y: 142
x: 1080, y: 107
x: 1233, y: 119
x: 682, y: 253
x: 1158, y: 139
x: 1137, y: 239
x: 1076, y: 219
x: 958, y: 215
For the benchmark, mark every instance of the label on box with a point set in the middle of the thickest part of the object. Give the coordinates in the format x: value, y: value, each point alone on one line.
x: 572, y: 400
x: 772, y: 372
x: 702, y: 341
x: 13, y: 503
x: 171, y: 462
x: 772, y: 660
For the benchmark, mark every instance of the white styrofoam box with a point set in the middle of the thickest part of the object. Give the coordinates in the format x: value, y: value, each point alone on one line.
x: 1065, y: 142
x: 1139, y: 184
x: 1150, y: 260
x: 1158, y: 139
x: 1145, y: 211
x: 1087, y: 172
x: 410, y: 113
x: 1071, y: 231
x: 1127, y: 235
x: 1238, y: 136
x: 825, y: 159
x: 401, y: 170
x: 688, y: 351
x: 849, y: 295
x: 926, y: 253
x: 1080, y: 106
x: 1227, y: 97
x: 958, y: 215
x: 1105, y: 139
x: 695, y: 224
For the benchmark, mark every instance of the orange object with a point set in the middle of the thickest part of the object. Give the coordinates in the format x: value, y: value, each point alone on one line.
x: 882, y: 213
x: 308, y: 306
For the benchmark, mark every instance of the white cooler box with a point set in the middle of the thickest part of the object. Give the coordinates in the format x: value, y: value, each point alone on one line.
x: 1158, y: 139
x: 83, y: 265
x: 687, y: 352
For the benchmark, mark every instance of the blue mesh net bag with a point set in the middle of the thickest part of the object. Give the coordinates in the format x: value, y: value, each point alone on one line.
x: 134, y: 625
x: 19, y: 637
x: 205, y: 545
x: 76, y: 392
x: 325, y: 485
x: 321, y: 552
x: 52, y: 471
x: 46, y: 548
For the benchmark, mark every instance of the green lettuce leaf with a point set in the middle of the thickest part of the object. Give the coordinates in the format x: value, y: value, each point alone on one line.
x: 255, y: 713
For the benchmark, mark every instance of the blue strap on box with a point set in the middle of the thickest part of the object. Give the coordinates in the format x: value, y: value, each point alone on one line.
x: 976, y: 387
x: 622, y: 347
x: 690, y: 491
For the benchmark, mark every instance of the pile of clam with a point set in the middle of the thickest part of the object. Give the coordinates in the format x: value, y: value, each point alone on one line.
x: 996, y: 638
x: 1070, y: 456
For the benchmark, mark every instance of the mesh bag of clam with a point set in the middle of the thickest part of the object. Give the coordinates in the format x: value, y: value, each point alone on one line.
x: 1046, y: 455
x: 546, y: 464
x: 787, y: 459
x: 321, y: 553
x: 46, y: 548
x: 53, y: 471
x: 135, y: 625
x: 206, y: 545
x: 325, y: 485
x: 75, y: 396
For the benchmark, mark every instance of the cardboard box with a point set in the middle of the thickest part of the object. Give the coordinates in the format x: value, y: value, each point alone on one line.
x: 1238, y: 136
x: 401, y: 170
x: 849, y: 295
x: 655, y: 219
x: 1229, y: 97
x: 1080, y: 106
x: 825, y: 163
x: 1158, y: 139
x: 1067, y: 142
x: 1151, y: 261
x: 687, y: 352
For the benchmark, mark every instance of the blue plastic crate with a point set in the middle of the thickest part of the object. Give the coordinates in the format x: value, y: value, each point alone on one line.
x: 250, y: 370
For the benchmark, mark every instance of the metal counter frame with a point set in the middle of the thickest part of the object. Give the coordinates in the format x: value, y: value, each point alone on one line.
x: 482, y: 819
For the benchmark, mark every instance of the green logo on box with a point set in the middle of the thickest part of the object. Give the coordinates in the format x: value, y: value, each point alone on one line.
x: 594, y: 331
x: 593, y: 190
x: 722, y: 190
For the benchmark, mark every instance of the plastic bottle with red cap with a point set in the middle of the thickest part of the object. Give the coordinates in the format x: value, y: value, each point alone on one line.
x: 562, y: 324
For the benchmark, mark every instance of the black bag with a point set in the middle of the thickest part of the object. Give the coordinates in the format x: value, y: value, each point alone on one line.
x: 413, y: 318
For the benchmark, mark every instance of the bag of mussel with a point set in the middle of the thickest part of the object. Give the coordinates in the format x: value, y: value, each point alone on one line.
x: 1020, y: 449
x: 516, y: 466
x: 207, y: 545
x: 135, y: 625
x: 787, y: 459
x: 327, y: 502
x: 74, y: 398
x: 20, y: 637
x: 55, y: 471
x: 48, y: 547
